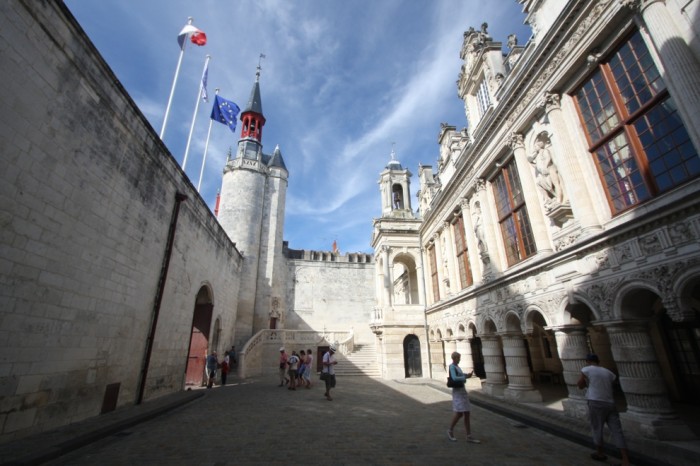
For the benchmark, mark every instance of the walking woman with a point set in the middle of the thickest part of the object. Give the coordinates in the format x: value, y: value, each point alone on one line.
x: 460, y: 399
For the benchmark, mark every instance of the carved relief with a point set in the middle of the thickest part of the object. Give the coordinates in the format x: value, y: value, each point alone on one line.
x: 601, y: 294
x: 623, y: 252
x: 680, y: 233
x: 650, y: 244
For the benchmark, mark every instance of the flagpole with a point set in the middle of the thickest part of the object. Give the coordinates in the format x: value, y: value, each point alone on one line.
x: 194, y: 116
x: 172, y: 89
x: 206, y: 146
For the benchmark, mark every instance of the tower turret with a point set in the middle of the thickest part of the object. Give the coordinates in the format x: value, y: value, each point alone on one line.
x: 395, y: 186
x: 251, y: 211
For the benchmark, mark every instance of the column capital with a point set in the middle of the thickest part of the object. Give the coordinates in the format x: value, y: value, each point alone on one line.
x: 550, y: 100
x: 516, y: 141
x: 639, y: 5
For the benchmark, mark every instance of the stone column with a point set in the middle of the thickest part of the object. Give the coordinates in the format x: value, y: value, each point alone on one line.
x: 387, y: 277
x: 465, y: 349
x: 421, y: 278
x: 682, y: 70
x: 534, y: 341
x: 531, y: 194
x: 569, y: 168
x: 495, y: 383
x: 573, y: 349
x: 483, y: 224
x: 649, y: 412
x: 450, y: 347
x: 519, y: 378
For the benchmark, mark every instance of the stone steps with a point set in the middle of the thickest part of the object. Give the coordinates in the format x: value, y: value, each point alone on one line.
x: 361, y: 362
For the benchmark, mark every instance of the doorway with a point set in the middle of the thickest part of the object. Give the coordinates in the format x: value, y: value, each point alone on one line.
x: 412, y: 359
x: 199, y: 340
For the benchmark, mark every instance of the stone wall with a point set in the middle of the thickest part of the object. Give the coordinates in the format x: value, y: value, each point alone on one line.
x: 87, y: 194
x: 324, y: 295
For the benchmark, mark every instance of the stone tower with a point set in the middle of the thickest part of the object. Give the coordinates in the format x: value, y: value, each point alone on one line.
x: 251, y: 211
x: 398, y: 322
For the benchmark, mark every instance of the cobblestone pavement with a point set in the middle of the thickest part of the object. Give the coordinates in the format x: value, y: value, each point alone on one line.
x: 369, y: 422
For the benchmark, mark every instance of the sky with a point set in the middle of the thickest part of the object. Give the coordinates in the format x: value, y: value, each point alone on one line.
x: 342, y: 84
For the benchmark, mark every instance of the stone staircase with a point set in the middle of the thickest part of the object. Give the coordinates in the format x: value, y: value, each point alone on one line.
x: 361, y: 362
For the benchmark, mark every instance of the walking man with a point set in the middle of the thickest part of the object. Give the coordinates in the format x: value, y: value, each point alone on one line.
x: 601, y: 407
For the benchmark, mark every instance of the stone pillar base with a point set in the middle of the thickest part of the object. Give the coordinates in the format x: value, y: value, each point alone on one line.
x: 576, y: 408
x: 522, y: 396
x: 493, y: 389
x: 656, y: 426
x: 473, y: 383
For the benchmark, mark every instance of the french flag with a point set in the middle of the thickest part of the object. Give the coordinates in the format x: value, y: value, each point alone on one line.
x: 197, y: 36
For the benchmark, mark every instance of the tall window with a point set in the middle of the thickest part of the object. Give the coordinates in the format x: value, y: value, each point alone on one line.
x: 483, y: 99
x: 512, y: 215
x: 638, y: 141
x: 434, y: 273
x: 465, y: 273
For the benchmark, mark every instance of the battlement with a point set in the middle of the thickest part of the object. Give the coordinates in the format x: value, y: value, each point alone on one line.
x: 328, y: 256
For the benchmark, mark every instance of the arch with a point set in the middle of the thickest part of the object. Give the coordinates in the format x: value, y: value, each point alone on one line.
x: 637, y: 301
x: 397, y: 196
x: 512, y: 322
x: 413, y: 365
x: 534, y: 316
x: 630, y: 297
x: 686, y: 291
x: 461, y: 331
x: 476, y: 349
x: 489, y: 327
x: 405, y: 279
x: 199, y: 337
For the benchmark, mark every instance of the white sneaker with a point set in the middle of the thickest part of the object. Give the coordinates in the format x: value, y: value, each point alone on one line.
x: 450, y: 436
x: 471, y: 439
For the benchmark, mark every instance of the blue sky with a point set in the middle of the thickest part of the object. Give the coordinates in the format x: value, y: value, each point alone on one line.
x: 341, y: 82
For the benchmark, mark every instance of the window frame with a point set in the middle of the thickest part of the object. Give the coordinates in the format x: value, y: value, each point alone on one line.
x: 434, y: 278
x: 626, y: 188
x: 462, y: 252
x: 515, y: 213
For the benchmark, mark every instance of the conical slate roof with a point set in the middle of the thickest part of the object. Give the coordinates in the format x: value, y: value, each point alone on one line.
x: 277, y: 160
x: 254, y: 102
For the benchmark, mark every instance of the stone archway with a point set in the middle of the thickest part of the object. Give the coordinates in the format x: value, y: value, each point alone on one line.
x: 199, y: 338
x: 412, y: 356
x: 404, y: 280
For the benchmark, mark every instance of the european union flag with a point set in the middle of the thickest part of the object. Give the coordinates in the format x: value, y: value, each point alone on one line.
x: 225, y: 112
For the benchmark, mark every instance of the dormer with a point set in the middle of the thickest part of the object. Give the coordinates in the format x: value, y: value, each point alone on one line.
x: 482, y: 74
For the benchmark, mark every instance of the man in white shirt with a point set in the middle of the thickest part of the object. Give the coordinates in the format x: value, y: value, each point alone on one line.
x: 293, y: 363
x: 601, y: 407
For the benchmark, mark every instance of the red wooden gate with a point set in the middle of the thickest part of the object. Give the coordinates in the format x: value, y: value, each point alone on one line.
x: 199, y: 343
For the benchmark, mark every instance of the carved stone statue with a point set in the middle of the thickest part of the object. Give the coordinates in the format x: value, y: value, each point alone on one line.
x: 479, y: 228
x: 546, y: 171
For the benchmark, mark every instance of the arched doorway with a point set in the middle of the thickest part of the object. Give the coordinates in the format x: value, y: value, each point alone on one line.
x: 199, y: 339
x: 411, y: 356
x: 477, y: 353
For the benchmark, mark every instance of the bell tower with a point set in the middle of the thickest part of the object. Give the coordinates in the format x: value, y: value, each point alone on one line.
x: 400, y: 291
x: 395, y: 187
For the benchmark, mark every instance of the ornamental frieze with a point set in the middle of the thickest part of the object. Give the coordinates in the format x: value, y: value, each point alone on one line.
x: 601, y: 295
x: 650, y: 244
x: 681, y: 232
